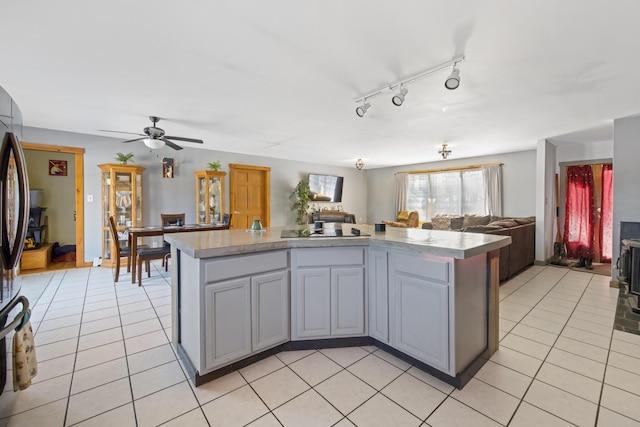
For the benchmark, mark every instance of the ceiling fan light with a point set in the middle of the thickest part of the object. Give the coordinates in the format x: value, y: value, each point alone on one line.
x: 453, y: 81
x: 398, y: 98
x: 153, y: 143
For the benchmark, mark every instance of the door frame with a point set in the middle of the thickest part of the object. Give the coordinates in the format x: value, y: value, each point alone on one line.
x: 78, y: 154
x: 233, y: 167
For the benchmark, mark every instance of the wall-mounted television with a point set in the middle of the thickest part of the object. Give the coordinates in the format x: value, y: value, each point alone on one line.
x: 325, y: 188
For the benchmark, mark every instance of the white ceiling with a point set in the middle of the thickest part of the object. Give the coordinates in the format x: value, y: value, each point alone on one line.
x: 279, y: 78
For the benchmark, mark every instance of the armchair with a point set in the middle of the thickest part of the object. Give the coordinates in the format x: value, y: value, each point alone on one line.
x: 405, y: 219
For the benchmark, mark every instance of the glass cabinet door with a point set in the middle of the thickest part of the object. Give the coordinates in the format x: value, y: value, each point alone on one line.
x: 122, y: 199
x: 209, y: 196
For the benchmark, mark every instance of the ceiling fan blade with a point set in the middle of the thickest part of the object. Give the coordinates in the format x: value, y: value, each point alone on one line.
x: 171, y: 144
x: 179, y: 138
x: 117, y: 131
x: 133, y: 140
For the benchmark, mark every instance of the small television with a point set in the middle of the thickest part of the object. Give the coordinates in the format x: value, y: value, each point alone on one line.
x: 325, y: 188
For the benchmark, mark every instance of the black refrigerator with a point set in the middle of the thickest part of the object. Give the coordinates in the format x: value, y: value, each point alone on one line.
x: 14, y: 216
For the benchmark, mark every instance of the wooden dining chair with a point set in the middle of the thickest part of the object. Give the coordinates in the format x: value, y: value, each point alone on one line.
x: 147, y: 254
x: 120, y: 251
x: 226, y: 220
x: 172, y: 219
x: 166, y: 220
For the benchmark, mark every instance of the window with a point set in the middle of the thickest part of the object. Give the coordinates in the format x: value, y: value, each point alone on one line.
x: 455, y: 192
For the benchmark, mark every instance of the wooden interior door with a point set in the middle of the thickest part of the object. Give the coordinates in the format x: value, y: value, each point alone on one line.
x: 249, y: 194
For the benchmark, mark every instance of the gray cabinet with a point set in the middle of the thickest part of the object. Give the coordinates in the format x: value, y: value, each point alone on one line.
x: 422, y: 320
x: 227, y: 322
x: 328, y: 293
x: 347, y: 301
x: 379, y: 294
x: 269, y: 310
x: 313, y: 302
x: 248, y: 314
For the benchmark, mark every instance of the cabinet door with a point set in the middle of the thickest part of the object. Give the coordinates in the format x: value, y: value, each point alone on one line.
x: 228, y: 322
x: 313, y: 302
x: 379, y: 295
x: 422, y: 320
x: 347, y: 301
x: 270, y: 309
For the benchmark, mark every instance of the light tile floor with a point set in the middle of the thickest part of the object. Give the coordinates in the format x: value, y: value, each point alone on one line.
x: 105, y: 359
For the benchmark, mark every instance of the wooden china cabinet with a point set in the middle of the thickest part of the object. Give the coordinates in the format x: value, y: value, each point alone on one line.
x: 122, y: 199
x: 209, y: 196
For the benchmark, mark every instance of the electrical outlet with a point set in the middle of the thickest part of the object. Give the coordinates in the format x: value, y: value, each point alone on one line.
x: 154, y: 245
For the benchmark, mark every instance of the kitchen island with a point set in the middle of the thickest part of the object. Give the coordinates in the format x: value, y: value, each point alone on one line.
x: 429, y: 297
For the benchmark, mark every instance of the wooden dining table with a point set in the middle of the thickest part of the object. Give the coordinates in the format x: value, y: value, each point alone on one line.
x: 137, y: 232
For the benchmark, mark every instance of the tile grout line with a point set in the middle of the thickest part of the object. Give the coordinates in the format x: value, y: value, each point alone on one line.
x: 544, y: 361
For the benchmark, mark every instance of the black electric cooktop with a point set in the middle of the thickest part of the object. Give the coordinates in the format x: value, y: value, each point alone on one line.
x: 321, y: 232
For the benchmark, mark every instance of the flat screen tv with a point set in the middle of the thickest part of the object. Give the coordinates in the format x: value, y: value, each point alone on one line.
x: 325, y: 188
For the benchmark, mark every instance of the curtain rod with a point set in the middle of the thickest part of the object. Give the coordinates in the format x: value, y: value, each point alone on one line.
x: 452, y: 168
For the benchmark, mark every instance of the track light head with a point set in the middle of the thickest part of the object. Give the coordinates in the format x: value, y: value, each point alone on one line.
x: 453, y: 81
x: 361, y: 110
x: 398, y: 98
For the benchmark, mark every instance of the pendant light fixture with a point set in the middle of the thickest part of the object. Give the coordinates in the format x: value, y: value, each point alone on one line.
x: 359, y: 164
x: 444, y: 151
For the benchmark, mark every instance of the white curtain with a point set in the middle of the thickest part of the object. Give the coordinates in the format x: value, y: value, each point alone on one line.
x: 402, y: 180
x: 492, y: 177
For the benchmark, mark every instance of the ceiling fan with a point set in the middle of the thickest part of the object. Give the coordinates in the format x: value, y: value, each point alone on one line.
x: 154, y: 137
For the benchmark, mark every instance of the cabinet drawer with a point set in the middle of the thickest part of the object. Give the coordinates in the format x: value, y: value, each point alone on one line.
x: 420, y: 265
x: 244, y: 265
x: 329, y: 257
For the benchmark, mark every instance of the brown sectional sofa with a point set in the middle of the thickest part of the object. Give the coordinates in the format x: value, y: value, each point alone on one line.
x: 333, y: 216
x: 513, y: 258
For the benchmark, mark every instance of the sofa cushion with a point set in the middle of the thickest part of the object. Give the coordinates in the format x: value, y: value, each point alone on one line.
x: 481, y: 228
x: 527, y: 220
x: 402, y: 216
x: 440, y: 222
x: 447, y: 222
x: 470, y: 220
x: 504, y: 223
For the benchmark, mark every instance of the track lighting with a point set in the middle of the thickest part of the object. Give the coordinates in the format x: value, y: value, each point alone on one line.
x: 453, y: 81
x: 444, y: 152
x: 362, y: 109
x: 359, y: 164
x: 398, y: 98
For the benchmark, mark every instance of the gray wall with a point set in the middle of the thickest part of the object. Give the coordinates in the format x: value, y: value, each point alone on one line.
x: 178, y: 194
x: 626, y: 176
x: 518, y: 184
x: 59, y: 194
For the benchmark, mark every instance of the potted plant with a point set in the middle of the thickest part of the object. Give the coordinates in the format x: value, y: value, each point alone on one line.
x: 124, y: 158
x: 301, y: 195
x: 214, y: 165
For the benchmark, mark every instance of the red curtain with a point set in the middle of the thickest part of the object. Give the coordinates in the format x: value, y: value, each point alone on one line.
x: 606, y: 214
x: 579, y: 222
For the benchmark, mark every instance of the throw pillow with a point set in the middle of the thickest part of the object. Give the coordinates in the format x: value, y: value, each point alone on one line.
x: 455, y: 222
x: 504, y: 223
x: 403, y: 216
x: 440, y: 222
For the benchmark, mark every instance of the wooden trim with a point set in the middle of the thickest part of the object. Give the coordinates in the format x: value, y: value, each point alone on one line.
x: 53, y: 148
x: 79, y: 184
x: 450, y: 169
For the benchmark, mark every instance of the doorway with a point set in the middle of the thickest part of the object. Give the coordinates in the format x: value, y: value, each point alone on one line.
x: 586, y: 213
x: 78, y: 167
x: 249, y: 194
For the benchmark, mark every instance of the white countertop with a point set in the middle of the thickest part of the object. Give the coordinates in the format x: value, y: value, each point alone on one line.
x: 452, y: 244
